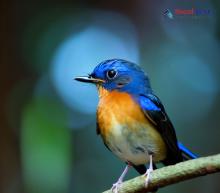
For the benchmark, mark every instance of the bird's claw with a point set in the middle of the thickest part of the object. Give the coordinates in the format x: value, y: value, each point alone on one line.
x: 148, y: 176
x: 116, y: 186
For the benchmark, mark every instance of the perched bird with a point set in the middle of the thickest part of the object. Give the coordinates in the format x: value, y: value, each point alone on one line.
x: 132, y: 120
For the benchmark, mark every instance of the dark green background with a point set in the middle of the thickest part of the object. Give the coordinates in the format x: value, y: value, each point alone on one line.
x: 40, y: 152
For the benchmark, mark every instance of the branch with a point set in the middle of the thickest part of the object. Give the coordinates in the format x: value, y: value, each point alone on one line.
x: 173, y: 174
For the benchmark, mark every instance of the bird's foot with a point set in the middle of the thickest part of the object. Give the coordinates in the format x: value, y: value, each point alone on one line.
x: 149, y: 171
x: 116, y: 186
x: 148, y: 176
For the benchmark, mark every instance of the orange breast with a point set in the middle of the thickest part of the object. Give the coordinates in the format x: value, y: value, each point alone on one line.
x: 125, y: 129
x: 118, y: 107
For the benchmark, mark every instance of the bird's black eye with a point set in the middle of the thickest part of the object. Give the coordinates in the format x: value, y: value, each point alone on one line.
x: 111, y: 74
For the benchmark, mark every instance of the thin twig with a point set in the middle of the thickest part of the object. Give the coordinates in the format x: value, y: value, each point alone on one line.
x: 173, y: 174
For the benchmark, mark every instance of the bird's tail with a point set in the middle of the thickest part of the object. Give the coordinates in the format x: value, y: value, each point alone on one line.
x: 187, y: 154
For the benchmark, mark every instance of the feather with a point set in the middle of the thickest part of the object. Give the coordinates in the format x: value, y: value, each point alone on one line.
x: 155, y: 112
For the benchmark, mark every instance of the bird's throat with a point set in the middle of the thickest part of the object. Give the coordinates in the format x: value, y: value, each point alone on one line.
x: 102, y: 91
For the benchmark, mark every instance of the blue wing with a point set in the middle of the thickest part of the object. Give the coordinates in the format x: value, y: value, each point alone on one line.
x: 155, y: 112
x: 187, y: 154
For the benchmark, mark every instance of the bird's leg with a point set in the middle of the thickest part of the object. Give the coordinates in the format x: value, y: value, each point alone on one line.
x: 148, y: 172
x: 116, y: 185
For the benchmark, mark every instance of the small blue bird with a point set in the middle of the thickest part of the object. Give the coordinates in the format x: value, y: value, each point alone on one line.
x: 132, y: 120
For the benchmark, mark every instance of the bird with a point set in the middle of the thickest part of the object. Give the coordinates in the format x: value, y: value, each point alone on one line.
x: 132, y: 120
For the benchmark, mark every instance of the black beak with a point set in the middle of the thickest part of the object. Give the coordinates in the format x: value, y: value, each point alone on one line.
x: 89, y: 79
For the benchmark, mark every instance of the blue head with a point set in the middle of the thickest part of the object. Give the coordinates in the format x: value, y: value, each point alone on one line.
x: 120, y: 75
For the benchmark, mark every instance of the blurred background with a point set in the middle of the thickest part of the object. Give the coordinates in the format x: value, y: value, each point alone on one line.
x: 48, y: 142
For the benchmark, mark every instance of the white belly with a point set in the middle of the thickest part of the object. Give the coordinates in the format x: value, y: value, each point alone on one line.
x: 135, y: 145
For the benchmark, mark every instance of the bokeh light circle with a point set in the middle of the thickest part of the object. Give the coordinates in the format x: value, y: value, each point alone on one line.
x: 81, y: 52
x: 186, y: 83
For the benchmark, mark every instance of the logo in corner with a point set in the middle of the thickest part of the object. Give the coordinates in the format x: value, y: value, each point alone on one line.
x: 168, y: 14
